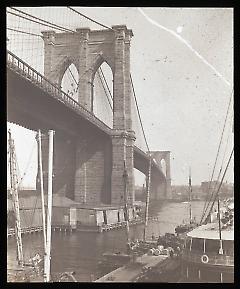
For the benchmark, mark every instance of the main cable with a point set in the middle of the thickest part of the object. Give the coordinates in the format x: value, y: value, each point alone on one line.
x: 81, y: 14
x: 54, y: 26
x: 45, y: 21
x: 139, y: 116
x: 20, y: 31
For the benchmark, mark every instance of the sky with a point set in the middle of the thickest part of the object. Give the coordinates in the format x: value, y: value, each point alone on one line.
x: 182, y: 69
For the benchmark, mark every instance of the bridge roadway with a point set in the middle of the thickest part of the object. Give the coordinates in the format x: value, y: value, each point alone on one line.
x: 35, y: 103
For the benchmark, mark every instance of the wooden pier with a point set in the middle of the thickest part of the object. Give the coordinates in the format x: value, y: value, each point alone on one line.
x: 108, y: 227
x: 133, y: 270
x: 32, y: 230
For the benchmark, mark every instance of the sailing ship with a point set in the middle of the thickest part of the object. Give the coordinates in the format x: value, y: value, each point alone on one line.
x: 31, y: 270
x: 206, y: 257
x: 186, y: 227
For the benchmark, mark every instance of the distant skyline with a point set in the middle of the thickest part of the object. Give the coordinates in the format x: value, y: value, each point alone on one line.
x: 182, y: 68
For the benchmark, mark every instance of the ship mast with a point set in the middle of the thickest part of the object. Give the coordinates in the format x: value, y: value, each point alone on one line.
x: 190, y: 195
x: 47, y: 257
x: 15, y: 200
x: 125, y: 179
x: 41, y: 186
x: 147, y: 199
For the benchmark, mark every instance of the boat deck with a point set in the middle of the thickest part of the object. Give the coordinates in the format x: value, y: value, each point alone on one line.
x: 132, y: 271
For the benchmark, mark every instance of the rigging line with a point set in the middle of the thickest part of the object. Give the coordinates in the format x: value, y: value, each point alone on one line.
x: 104, y: 90
x: 220, y: 142
x: 31, y: 20
x: 106, y: 82
x: 45, y: 21
x: 217, y: 193
x: 89, y: 18
x: 207, y: 202
x: 139, y: 113
x: 219, y: 174
x: 25, y: 170
x: 20, y: 31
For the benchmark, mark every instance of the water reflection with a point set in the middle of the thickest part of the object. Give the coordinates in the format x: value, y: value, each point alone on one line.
x: 81, y: 251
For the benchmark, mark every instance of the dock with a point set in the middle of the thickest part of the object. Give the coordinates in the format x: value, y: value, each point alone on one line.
x: 133, y: 270
x: 37, y: 229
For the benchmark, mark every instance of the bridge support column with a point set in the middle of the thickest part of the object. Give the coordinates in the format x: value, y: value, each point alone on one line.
x: 93, y: 171
x: 63, y: 164
x: 85, y: 89
x: 122, y: 149
x: 130, y: 164
x: 158, y: 191
x: 159, y: 156
x: 49, y: 59
x: 122, y: 136
x: 168, y: 177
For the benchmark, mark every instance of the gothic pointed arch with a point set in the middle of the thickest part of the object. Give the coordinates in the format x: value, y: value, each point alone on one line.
x: 70, y: 79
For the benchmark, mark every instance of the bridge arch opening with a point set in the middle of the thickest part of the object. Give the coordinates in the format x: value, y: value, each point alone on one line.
x: 102, y: 94
x: 140, y: 185
x: 70, y: 81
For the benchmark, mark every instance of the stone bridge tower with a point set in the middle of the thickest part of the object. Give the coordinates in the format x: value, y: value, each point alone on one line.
x: 87, y: 50
x: 163, y: 157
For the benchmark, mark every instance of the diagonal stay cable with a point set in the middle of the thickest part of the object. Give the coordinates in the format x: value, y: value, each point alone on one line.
x: 72, y: 75
x: 105, y: 81
x: 104, y: 90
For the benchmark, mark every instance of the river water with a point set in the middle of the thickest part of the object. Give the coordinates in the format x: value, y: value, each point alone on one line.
x: 81, y: 251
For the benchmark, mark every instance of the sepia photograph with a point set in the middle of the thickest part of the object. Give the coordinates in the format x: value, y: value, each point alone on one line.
x: 120, y: 144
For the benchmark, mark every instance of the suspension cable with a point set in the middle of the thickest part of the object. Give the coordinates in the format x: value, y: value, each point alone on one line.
x: 139, y: 116
x: 220, y: 142
x: 105, y: 82
x: 20, y: 31
x: 72, y: 76
x: 45, y: 21
x: 105, y: 90
x: 89, y: 18
x: 31, y: 20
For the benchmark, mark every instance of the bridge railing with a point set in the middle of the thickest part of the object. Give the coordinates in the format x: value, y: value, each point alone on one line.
x: 27, y: 71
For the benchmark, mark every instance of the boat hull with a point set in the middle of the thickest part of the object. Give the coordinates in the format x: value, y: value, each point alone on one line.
x: 206, y: 273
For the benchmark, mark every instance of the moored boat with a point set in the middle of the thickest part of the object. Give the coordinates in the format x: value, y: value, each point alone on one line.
x: 205, y: 257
